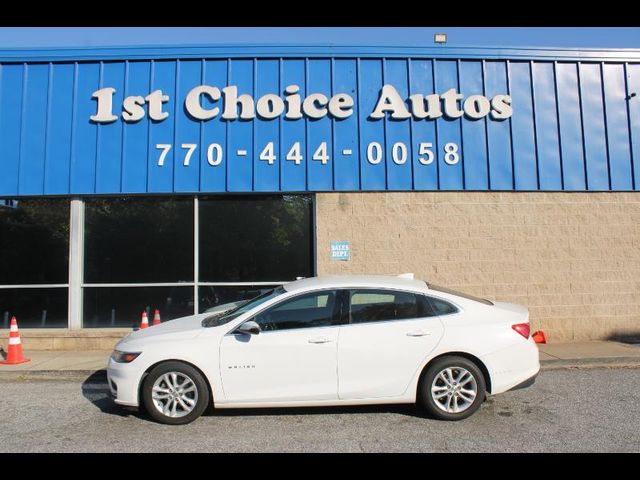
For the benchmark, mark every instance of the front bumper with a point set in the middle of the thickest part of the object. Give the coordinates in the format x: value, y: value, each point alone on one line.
x: 123, y: 380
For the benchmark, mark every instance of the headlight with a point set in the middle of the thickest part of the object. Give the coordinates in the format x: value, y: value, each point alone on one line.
x: 124, y: 357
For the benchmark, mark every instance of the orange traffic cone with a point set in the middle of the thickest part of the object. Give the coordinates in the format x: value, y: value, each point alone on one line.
x: 14, y: 354
x: 156, y: 317
x: 145, y: 321
x: 539, y: 337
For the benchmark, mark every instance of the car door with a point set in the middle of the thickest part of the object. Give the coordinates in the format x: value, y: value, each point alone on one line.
x: 388, y: 336
x: 293, y: 358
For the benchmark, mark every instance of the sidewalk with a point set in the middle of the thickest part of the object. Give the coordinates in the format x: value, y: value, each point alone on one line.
x: 589, y: 355
x: 74, y: 364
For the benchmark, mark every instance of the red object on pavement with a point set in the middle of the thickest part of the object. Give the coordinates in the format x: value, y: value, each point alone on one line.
x: 14, y: 352
x: 539, y: 337
x: 145, y: 321
x: 156, y: 317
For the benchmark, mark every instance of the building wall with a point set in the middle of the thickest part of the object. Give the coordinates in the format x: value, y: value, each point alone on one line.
x: 572, y: 258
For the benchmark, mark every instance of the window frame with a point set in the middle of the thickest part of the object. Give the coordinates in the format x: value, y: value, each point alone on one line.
x: 426, y: 305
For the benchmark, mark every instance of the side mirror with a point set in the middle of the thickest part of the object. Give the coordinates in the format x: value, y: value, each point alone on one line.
x: 249, y: 328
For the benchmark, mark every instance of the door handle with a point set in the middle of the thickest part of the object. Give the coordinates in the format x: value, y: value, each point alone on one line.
x: 319, y: 340
x: 418, y: 333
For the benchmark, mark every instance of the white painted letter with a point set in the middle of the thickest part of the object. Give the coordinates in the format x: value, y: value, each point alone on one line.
x: 156, y: 99
x: 341, y: 105
x: 293, y: 102
x: 451, y: 98
x: 104, y: 112
x: 133, y: 109
x: 390, y: 100
x: 433, y: 106
x: 231, y: 101
x: 476, y: 107
x: 194, y: 107
x: 270, y: 106
x: 501, y: 107
x: 311, y: 104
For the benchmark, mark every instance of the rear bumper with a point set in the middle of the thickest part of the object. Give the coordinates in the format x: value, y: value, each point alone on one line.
x: 525, y: 384
x: 513, y: 366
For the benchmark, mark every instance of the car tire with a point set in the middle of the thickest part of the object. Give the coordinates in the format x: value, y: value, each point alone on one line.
x: 445, y: 388
x: 177, y: 385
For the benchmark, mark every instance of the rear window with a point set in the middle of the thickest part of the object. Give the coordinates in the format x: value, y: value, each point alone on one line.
x: 437, y: 288
x: 441, y: 307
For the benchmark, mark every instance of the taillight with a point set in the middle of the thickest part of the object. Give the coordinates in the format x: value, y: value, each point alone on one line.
x: 522, y: 329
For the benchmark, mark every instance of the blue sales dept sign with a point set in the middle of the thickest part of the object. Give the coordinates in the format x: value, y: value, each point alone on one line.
x: 340, y: 250
x: 224, y: 124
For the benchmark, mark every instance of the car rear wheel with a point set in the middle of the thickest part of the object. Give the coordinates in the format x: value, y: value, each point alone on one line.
x: 452, y: 388
x: 175, y: 393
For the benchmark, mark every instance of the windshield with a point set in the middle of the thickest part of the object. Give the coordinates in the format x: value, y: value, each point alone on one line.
x: 216, y: 320
x: 437, y: 288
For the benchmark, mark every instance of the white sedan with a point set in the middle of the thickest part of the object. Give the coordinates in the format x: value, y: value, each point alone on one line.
x: 321, y: 341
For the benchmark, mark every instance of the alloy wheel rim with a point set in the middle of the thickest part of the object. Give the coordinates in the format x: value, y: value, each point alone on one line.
x: 454, y: 389
x: 174, y: 394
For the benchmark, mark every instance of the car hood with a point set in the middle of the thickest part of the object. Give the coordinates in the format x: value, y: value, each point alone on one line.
x: 185, y: 327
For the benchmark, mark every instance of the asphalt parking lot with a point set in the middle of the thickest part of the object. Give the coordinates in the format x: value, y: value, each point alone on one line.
x: 585, y: 410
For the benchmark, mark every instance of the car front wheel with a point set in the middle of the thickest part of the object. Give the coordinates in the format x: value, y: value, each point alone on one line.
x: 175, y: 393
x: 452, y: 388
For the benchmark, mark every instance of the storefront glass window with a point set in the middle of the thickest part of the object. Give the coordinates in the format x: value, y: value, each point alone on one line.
x: 255, y: 238
x: 34, y: 251
x: 34, y: 307
x: 133, y: 239
x: 123, y: 306
x: 34, y: 241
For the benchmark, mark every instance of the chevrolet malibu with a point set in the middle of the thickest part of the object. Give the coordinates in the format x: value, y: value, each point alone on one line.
x: 348, y: 340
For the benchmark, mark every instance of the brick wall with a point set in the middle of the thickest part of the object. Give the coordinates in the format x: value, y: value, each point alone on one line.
x: 572, y: 258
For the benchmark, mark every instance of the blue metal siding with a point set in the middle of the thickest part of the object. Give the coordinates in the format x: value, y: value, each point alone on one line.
x: 345, y: 131
x: 425, y: 175
x: 109, y: 147
x: 397, y: 132
x: 135, y: 146
x: 547, y: 140
x: 633, y: 111
x: 374, y: 176
x: 319, y: 175
x: 266, y: 178
x: 498, y: 133
x: 474, y: 132
x: 523, y: 131
x: 572, y: 152
x: 615, y: 94
x: 58, y: 146
x: 84, y: 134
x: 595, y: 137
x: 214, y: 179
x: 575, y: 124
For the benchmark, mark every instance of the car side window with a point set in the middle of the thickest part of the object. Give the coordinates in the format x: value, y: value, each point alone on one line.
x: 441, y: 307
x: 310, y: 310
x: 369, y: 305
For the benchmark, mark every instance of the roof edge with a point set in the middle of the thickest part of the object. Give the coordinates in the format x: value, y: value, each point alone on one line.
x: 198, y: 51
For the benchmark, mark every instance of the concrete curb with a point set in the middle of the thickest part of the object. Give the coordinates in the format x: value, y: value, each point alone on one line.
x: 94, y: 375
x: 585, y: 363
